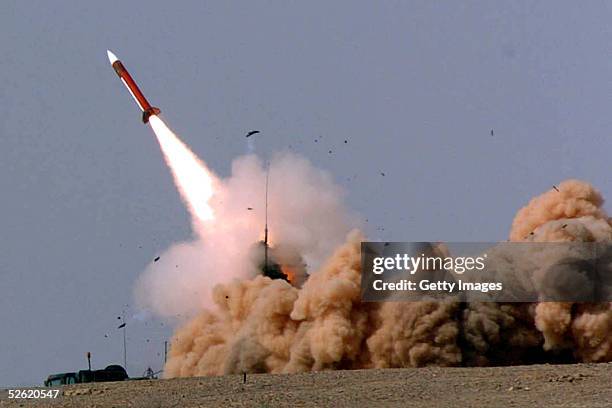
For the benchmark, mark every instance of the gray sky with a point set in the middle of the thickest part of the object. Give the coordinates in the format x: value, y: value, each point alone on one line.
x: 86, y: 201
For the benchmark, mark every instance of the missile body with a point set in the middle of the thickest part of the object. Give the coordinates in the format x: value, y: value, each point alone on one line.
x: 126, y: 78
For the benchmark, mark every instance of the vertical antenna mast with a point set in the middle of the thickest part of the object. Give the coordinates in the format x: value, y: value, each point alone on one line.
x: 124, y: 343
x: 266, y: 226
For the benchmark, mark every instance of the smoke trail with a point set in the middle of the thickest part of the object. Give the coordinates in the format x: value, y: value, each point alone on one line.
x: 250, y: 146
x: 192, y: 178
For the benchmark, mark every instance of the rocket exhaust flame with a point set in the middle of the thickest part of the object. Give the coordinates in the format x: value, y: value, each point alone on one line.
x: 193, y: 179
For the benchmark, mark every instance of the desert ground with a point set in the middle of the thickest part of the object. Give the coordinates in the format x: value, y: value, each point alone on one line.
x: 572, y: 385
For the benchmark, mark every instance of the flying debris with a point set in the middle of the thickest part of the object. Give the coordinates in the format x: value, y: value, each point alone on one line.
x: 252, y: 132
x: 556, y: 189
x: 382, y: 173
x: 492, y: 132
x: 126, y: 78
x: 564, y: 225
x: 121, y: 326
x: 156, y: 259
x: 250, y: 208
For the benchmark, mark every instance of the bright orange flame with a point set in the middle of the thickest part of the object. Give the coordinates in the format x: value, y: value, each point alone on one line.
x: 191, y: 176
x: 289, y: 272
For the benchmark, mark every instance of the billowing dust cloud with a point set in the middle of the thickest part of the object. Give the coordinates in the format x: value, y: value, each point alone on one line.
x: 245, y: 322
x: 264, y: 325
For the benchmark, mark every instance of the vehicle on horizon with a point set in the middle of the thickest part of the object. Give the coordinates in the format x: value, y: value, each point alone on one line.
x: 112, y: 372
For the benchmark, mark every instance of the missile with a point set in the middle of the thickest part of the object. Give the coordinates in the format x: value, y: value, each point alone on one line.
x: 126, y: 78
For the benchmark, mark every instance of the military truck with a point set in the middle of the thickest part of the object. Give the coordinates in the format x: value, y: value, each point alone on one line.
x: 110, y: 373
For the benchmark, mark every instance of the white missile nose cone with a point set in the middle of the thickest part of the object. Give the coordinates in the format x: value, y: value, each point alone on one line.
x: 111, y: 57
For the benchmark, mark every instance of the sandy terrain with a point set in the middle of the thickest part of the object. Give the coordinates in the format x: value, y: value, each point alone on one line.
x: 578, y: 385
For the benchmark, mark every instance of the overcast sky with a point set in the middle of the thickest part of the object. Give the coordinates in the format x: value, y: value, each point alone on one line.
x: 86, y: 201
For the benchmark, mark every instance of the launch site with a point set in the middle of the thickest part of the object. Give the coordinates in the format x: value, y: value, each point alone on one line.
x: 264, y: 204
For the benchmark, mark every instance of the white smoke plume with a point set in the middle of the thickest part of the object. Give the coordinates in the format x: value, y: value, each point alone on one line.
x: 306, y: 213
